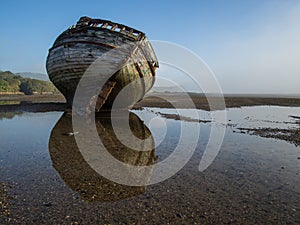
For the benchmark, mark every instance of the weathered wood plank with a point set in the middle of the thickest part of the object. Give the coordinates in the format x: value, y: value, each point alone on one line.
x: 78, y: 47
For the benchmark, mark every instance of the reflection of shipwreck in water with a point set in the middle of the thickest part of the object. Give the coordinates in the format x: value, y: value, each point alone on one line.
x: 80, y: 45
x: 79, y: 175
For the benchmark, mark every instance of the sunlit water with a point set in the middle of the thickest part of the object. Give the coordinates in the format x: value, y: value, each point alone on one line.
x: 252, y: 180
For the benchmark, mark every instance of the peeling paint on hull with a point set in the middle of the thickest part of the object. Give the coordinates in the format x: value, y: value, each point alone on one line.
x: 80, y: 45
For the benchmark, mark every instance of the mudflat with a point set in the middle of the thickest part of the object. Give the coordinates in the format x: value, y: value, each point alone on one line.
x: 254, y: 179
x: 48, y: 103
x: 201, y: 101
x: 154, y: 99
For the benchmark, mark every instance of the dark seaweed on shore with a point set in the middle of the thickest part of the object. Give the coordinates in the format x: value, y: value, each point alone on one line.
x: 289, y: 135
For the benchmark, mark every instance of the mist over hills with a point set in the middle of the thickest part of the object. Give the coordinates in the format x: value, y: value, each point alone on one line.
x: 37, y: 76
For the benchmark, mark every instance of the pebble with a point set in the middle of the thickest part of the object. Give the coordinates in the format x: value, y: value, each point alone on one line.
x: 179, y: 215
x: 82, y: 191
x: 48, y: 204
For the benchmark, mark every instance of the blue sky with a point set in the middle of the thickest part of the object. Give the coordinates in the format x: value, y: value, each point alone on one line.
x: 252, y: 46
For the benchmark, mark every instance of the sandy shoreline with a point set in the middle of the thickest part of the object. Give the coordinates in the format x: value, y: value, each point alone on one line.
x: 200, y: 101
x: 32, y: 98
x: 48, y: 103
x: 250, y: 174
x: 41, y: 103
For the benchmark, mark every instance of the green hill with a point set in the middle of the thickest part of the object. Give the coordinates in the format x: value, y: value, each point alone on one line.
x: 10, y: 82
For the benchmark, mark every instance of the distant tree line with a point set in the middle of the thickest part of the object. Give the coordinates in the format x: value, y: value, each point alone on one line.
x: 9, y: 115
x: 9, y: 82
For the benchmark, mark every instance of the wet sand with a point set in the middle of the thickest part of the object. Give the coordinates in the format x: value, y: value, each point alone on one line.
x: 33, y: 98
x: 252, y: 181
x: 200, y: 101
x: 4, y: 202
x: 154, y: 99
x: 48, y: 103
x: 291, y: 135
x: 32, y: 103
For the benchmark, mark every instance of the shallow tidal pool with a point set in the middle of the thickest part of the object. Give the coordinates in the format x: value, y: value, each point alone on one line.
x: 46, y: 180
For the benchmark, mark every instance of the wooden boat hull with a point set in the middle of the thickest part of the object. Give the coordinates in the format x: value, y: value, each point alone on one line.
x: 78, y: 47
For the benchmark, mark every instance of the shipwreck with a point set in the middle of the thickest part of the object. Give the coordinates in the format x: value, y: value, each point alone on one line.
x: 74, y: 51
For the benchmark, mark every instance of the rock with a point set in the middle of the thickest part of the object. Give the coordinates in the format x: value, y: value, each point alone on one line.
x: 48, y: 204
x: 179, y: 215
x: 82, y: 191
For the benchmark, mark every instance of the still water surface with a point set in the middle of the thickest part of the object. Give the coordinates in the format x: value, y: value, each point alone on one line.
x: 252, y: 180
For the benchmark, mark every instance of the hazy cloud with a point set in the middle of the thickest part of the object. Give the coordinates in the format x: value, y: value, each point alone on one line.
x: 268, y: 61
x: 265, y: 59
